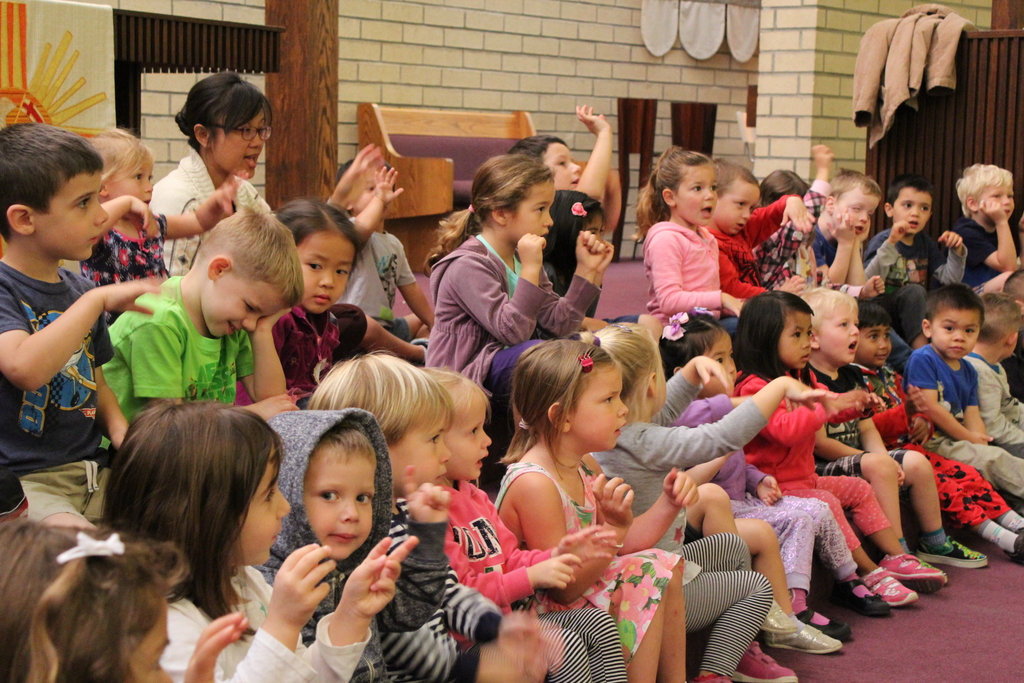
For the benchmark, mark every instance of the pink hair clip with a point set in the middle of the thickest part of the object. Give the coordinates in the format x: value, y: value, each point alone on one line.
x: 674, y: 330
x: 587, y: 363
x: 471, y: 209
x: 578, y: 210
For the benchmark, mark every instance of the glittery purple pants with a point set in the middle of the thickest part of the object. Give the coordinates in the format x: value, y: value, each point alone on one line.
x: 802, y: 525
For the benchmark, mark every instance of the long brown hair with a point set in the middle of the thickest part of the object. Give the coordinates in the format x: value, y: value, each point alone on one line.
x: 186, y: 474
x: 81, y: 621
x: 502, y: 182
x: 548, y: 374
x: 668, y: 173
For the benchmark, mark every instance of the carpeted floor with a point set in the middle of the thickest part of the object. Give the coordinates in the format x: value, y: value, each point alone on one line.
x: 972, y: 630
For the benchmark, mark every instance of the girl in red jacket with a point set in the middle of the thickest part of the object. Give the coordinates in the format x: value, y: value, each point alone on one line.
x: 486, y: 555
x: 773, y: 339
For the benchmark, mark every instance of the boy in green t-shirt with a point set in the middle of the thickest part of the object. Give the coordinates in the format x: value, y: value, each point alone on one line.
x: 212, y: 326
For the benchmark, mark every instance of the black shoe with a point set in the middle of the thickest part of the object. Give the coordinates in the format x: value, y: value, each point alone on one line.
x: 1018, y: 549
x: 833, y: 629
x: 870, y: 605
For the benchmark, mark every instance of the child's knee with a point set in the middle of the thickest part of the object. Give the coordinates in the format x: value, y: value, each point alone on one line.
x: 714, y: 494
x: 758, y: 534
x: 878, y: 465
x: 915, y: 463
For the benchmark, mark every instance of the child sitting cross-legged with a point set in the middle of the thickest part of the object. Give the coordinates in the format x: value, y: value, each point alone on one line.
x: 1002, y: 414
x: 967, y: 499
x: 415, y: 413
x: 855, y: 448
x: 949, y: 390
x: 213, y: 326
x: 486, y: 555
x: 803, y: 525
x: 55, y: 405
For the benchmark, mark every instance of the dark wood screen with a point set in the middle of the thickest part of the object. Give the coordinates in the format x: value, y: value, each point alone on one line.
x: 147, y: 43
x: 981, y: 122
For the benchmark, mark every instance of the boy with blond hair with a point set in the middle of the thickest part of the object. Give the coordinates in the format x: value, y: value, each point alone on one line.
x: 856, y: 449
x: 986, y: 196
x: 841, y: 232
x: 1002, y: 414
x: 55, y: 405
x: 212, y: 327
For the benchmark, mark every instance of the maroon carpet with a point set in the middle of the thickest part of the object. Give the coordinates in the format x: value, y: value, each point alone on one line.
x: 972, y: 630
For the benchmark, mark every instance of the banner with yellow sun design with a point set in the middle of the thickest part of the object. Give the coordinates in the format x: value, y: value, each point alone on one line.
x: 57, y: 65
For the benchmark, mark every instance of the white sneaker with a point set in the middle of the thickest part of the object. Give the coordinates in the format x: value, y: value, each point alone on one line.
x: 809, y: 640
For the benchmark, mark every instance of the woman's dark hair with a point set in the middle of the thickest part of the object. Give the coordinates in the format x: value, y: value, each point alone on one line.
x: 223, y: 101
x: 536, y: 145
x: 186, y: 474
x: 307, y: 217
x: 756, y: 344
x: 700, y: 334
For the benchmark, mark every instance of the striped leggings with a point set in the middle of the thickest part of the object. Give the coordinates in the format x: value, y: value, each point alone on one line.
x: 727, y: 596
x: 593, y: 653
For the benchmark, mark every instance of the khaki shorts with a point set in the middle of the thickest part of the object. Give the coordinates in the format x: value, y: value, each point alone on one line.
x: 76, y: 488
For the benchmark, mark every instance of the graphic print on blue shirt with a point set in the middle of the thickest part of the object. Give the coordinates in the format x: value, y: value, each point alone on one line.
x: 70, y: 389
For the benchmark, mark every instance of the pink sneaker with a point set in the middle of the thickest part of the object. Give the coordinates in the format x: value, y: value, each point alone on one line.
x: 711, y: 678
x: 882, y: 584
x: 911, y: 571
x: 757, y: 667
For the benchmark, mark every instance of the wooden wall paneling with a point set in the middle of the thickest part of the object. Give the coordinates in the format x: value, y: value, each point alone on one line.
x: 302, y: 155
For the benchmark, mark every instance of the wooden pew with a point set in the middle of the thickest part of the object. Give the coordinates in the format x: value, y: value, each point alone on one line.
x: 436, y: 154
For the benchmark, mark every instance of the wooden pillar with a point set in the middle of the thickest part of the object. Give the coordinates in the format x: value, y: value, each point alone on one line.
x: 1007, y: 14
x: 302, y: 154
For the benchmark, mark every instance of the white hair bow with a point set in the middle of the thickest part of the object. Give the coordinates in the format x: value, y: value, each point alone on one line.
x: 90, y: 547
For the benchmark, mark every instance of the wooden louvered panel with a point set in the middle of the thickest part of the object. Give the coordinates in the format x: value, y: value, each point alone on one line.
x: 981, y: 122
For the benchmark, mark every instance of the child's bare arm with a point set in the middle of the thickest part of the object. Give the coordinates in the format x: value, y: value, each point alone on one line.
x: 705, y: 472
x: 823, y: 158
x: 267, y: 379
x: 108, y: 412
x: 831, y: 449
x: 947, y: 424
x: 595, y: 175
x: 131, y: 208
x: 870, y: 438
x: 418, y: 304
x: 29, y: 361
x: 612, y: 202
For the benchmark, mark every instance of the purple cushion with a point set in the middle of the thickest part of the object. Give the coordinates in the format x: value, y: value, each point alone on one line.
x: 467, y: 153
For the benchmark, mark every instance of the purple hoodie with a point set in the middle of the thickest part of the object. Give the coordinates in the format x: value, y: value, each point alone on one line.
x: 474, y: 318
x: 735, y: 476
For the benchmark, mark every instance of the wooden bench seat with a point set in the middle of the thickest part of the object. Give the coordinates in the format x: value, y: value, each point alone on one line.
x: 436, y: 153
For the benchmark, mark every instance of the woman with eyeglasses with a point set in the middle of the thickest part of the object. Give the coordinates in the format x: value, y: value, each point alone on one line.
x: 227, y: 121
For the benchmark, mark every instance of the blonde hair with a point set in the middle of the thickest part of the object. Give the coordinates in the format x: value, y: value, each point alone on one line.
x: 549, y: 375
x: 978, y: 178
x: 1002, y: 317
x: 636, y: 353
x: 461, y: 388
x: 123, y: 154
x: 262, y: 249
x: 668, y: 173
x: 824, y: 302
x: 343, y: 441
x: 402, y: 397
x: 502, y: 182
x: 847, y: 181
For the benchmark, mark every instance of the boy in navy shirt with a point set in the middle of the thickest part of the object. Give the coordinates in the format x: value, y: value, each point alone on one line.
x: 986, y: 196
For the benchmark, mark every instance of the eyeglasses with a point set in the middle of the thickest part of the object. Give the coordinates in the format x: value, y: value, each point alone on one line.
x: 248, y: 132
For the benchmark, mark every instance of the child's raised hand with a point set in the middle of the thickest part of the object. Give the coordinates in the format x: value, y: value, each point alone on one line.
x: 768, y: 491
x: 899, y: 229
x: 680, y: 488
x: 427, y: 503
x: 796, y: 212
x: 952, y: 241
x: 531, y: 250
x: 614, y: 499
x: 554, y: 572
x: 217, y: 635
x: 592, y: 543
x: 595, y: 124
x: 593, y: 253
x: 823, y: 157
x: 872, y: 288
x: 794, y: 285
x: 298, y: 589
x: 384, y: 185
x: 349, y: 185
x: 701, y: 369
x: 371, y: 585
x: 122, y: 296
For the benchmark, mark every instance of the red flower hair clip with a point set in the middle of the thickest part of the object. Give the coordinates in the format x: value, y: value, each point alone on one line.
x: 587, y: 363
x: 578, y: 210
